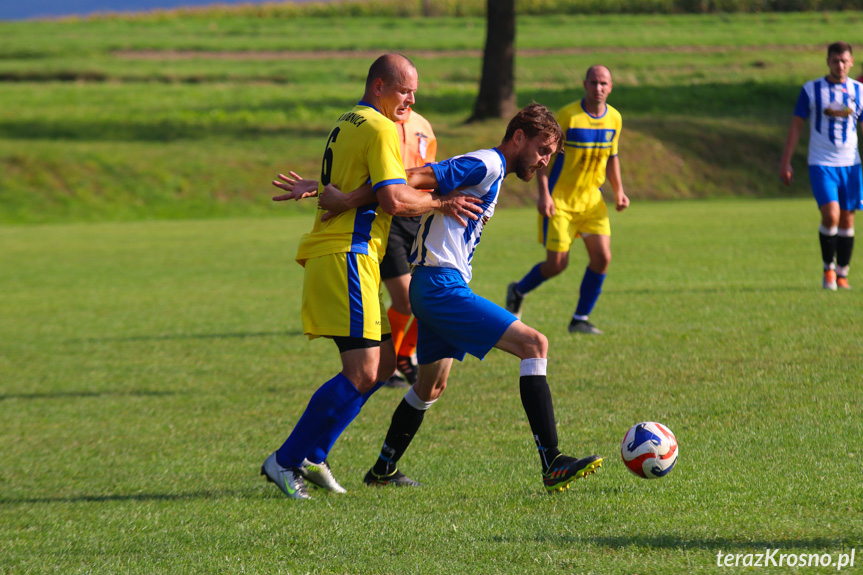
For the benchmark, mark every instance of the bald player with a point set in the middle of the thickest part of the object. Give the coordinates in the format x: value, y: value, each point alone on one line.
x: 570, y: 200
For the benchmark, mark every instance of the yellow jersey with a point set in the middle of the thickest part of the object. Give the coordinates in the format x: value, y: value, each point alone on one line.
x: 579, y: 170
x: 363, y: 147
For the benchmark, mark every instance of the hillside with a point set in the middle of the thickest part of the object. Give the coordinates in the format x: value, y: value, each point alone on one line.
x: 182, y: 116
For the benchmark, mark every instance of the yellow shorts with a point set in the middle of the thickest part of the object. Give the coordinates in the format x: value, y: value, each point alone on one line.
x: 557, y: 232
x: 342, y: 297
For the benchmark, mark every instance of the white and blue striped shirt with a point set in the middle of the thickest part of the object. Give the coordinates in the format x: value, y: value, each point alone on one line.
x: 833, y: 111
x: 441, y: 241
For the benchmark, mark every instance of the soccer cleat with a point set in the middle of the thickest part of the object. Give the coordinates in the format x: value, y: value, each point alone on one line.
x: 583, y: 326
x: 564, y: 470
x: 830, y: 280
x: 408, y: 369
x: 288, y: 479
x: 842, y: 283
x: 514, y: 300
x: 396, y: 478
x: 321, y: 475
x: 396, y: 381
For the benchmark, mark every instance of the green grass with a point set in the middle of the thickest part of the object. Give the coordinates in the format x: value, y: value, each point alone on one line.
x: 88, y: 133
x: 148, y: 368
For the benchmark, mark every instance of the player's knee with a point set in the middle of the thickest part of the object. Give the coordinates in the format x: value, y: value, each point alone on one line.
x: 535, y: 346
x: 600, y: 261
x: 430, y: 392
x: 386, y: 368
x: 365, y: 380
x: 553, y: 268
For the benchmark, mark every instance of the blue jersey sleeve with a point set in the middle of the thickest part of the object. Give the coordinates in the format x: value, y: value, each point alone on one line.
x: 802, y: 107
x: 459, y: 172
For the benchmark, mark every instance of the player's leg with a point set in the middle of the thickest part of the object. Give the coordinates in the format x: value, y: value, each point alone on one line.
x: 531, y: 347
x: 399, y: 315
x: 825, y: 189
x: 556, y: 234
x: 599, y: 255
x: 406, y: 421
x: 595, y: 229
x: 850, y: 197
x: 341, y: 298
x: 316, y: 467
x: 828, y: 238
x: 844, y: 248
x: 447, y: 313
x: 395, y: 272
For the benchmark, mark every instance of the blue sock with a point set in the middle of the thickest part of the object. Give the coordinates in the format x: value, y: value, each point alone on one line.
x: 591, y: 287
x: 321, y: 449
x: 531, y: 281
x: 333, y: 406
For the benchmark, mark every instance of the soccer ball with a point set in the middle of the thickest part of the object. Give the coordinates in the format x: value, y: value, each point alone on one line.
x: 649, y: 450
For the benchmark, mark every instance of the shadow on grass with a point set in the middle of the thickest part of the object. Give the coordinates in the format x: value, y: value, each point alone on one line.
x: 733, y: 289
x: 82, y: 394
x: 185, y: 336
x: 715, y: 543
x: 812, y: 544
x: 139, y: 497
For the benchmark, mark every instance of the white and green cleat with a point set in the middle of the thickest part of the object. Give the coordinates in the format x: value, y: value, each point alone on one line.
x: 321, y: 475
x: 288, y: 479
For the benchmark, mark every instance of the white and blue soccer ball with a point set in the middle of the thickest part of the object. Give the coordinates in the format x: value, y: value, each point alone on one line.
x: 649, y: 450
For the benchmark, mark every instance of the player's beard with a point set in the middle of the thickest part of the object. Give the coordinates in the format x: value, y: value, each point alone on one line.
x: 525, y: 171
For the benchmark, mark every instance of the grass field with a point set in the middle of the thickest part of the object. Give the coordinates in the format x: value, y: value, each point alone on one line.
x: 148, y: 368
x: 180, y: 116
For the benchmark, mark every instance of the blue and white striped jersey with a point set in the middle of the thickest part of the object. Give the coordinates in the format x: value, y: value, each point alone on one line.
x: 833, y: 111
x: 441, y: 241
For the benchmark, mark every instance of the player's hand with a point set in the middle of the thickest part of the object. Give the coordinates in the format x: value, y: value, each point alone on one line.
x: 461, y: 207
x: 333, y: 201
x: 297, y: 187
x: 786, y: 174
x: 621, y: 201
x: 545, y: 205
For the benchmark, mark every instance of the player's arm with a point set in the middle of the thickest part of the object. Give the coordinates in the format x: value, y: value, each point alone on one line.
x: 401, y: 199
x: 404, y: 200
x: 544, y: 202
x: 786, y: 172
x: 422, y: 178
x: 297, y: 187
x: 612, y: 173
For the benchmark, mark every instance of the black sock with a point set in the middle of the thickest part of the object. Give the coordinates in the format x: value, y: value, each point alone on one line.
x: 405, y: 423
x: 844, y: 248
x: 536, y: 399
x: 828, y: 248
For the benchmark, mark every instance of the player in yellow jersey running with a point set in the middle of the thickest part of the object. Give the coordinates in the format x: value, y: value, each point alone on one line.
x: 570, y: 200
x: 342, y: 284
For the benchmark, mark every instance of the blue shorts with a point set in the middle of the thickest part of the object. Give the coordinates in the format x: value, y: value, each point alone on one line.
x: 451, y: 319
x: 838, y: 184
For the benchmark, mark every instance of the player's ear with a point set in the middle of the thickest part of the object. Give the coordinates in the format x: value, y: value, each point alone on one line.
x: 518, y: 137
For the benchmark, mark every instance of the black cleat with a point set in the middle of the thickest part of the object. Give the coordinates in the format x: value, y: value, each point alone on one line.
x: 513, y: 300
x: 583, y: 326
x: 564, y: 470
x: 396, y: 381
x: 396, y: 478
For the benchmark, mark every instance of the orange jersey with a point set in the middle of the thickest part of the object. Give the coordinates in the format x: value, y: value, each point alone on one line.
x: 417, y: 141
